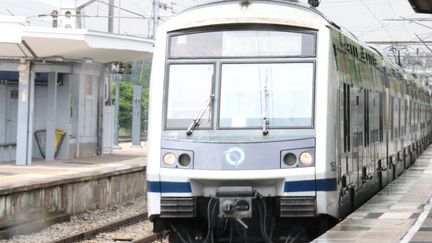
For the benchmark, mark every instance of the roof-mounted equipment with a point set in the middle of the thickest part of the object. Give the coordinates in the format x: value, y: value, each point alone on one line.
x: 314, y: 3
x: 244, y: 3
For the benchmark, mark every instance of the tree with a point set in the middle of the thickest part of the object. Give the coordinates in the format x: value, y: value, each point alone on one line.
x: 126, y: 94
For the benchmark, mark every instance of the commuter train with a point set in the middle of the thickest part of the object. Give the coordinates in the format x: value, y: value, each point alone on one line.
x: 265, y: 113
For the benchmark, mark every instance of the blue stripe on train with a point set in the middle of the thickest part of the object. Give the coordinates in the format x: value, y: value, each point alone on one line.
x: 290, y: 186
x: 167, y: 186
x: 311, y: 185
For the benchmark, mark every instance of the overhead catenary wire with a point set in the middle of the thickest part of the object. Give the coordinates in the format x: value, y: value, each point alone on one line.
x: 424, y: 43
x: 376, y: 18
x: 123, y: 9
x: 394, y: 14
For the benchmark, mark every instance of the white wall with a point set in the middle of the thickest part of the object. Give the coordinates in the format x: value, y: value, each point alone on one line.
x: 88, y: 103
x: 84, y: 102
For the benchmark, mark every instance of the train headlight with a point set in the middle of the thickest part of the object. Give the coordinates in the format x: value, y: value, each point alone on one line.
x: 184, y: 160
x: 306, y: 159
x: 169, y: 159
x: 290, y: 159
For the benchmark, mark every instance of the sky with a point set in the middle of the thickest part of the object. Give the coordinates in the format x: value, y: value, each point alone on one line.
x: 365, y: 18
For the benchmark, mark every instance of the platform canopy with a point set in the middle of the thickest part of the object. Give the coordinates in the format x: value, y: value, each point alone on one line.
x: 421, y: 6
x: 20, y: 41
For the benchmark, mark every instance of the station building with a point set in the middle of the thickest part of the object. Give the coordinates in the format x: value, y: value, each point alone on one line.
x: 57, y: 81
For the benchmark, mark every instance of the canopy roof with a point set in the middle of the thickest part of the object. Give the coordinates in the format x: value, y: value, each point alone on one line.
x: 421, y: 6
x: 20, y: 41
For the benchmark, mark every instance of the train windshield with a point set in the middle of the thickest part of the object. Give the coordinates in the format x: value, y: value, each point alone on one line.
x: 280, y: 92
x: 189, y: 90
x: 236, y: 79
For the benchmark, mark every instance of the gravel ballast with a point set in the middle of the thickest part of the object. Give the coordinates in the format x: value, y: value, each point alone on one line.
x: 91, y: 220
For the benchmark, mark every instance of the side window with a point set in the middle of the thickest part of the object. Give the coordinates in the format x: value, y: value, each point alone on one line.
x: 366, y: 118
x: 346, y: 117
x: 381, y: 116
x: 396, y: 110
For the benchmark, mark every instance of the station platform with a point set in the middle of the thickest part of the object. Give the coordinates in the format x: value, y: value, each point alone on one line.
x: 401, y: 212
x: 42, y: 171
x: 46, y: 192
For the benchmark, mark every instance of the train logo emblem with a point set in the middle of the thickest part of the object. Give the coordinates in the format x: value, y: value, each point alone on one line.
x: 235, y: 156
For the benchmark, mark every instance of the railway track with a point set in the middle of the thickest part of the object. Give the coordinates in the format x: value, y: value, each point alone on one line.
x: 151, y: 238
x: 112, y: 226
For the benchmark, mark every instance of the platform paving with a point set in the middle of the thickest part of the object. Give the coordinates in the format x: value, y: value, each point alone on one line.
x: 42, y: 171
x: 401, y: 212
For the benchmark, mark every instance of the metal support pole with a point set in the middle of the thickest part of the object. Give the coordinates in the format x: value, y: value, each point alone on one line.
x: 51, y: 116
x: 79, y: 87
x: 111, y: 16
x: 136, y: 116
x: 116, y: 111
x: 155, y: 17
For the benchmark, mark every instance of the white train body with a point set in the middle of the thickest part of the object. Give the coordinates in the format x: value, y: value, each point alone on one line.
x: 208, y: 63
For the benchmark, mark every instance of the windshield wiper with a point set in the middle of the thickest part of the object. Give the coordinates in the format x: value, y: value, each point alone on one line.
x: 266, y: 121
x: 197, y: 120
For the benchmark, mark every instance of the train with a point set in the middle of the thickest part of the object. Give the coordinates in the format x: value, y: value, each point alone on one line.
x: 266, y: 115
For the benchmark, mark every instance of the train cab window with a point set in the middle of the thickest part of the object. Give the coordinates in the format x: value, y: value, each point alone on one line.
x: 183, y: 105
x: 247, y: 77
x: 283, y: 92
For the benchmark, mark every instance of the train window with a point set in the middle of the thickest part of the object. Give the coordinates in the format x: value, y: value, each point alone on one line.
x: 242, y: 43
x: 343, y: 66
x: 347, y: 118
x: 184, y: 105
x: 280, y: 92
x: 374, y: 117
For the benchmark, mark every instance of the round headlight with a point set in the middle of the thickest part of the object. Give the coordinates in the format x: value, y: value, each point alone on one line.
x: 290, y: 159
x: 169, y: 159
x: 306, y: 159
x: 184, y: 160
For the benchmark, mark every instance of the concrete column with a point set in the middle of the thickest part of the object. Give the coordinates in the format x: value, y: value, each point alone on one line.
x: 136, y: 116
x: 25, y: 115
x: 51, y: 116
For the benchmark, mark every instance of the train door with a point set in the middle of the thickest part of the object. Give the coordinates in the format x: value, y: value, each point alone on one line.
x: 357, y: 133
x: 408, y: 131
x: 344, y: 137
x: 414, y: 130
x: 394, y: 158
x: 374, y: 132
x: 390, y: 144
x: 387, y: 127
x: 382, y: 162
x: 369, y: 151
x: 404, y: 151
x: 398, y: 140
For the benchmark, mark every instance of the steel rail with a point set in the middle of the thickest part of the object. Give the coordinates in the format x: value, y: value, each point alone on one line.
x: 103, y: 228
x: 152, y: 237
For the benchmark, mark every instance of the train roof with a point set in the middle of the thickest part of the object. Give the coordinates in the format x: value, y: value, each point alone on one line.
x: 179, y: 22
x: 282, y: 2
x: 301, y: 15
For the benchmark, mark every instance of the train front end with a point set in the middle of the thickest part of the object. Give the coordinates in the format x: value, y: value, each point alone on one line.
x: 235, y: 143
